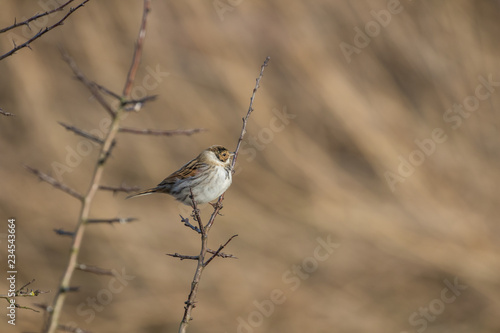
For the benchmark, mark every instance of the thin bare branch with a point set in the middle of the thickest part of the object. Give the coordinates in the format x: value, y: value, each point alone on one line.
x: 183, y: 256
x: 222, y: 255
x: 52, y: 319
x: 218, y: 250
x: 186, y: 222
x: 162, y: 132
x: 120, y: 220
x: 250, y: 109
x: 94, y: 269
x: 82, y: 133
x: 42, y: 32
x: 204, y: 230
x: 35, y: 17
x: 138, y: 101
x: 217, y: 207
x: 26, y: 284
x: 5, y: 113
x: 108, y: 92
x: 62, y: 232
x: 91, y: 86
x: 121, y: 188
x: 48, y: 179
x: 138, y: 50
x: 190, y: 303
x: 215, y: 253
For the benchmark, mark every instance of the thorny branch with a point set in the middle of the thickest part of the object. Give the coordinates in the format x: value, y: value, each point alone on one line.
x: 162, y: 132
x: 91, y: 86
x: 138, y: 50
x: 250, y: 109
x: 120, y: 220
x: 48, y: 179
x: 42, y: 31
x: 216, y: 254
x: 62, y: 232
x: 81, y: 133
x: 121, y: 188
x: 35, y: 17
x: 53, y: 312
x: 204, y: 230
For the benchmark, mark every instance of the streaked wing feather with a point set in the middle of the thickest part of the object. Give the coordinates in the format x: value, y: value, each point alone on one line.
x: 190, y: 169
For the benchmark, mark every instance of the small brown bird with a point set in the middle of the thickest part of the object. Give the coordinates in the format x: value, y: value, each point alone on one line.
x: 208, y: 176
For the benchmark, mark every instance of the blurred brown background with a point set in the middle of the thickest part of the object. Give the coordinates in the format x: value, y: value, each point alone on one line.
x: 416, y: 253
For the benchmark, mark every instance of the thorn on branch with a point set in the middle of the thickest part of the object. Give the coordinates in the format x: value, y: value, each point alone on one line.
x: 121, y: 220
x: 94, y: 269
x: 81, y: 133
x: 34, y: 17
x: 62, y: 232
x: 70, y: 289
x: 46, y: 178
x: 187, y: 132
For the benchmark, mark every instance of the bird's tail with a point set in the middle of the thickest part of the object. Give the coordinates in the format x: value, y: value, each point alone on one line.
x: 146, y: 192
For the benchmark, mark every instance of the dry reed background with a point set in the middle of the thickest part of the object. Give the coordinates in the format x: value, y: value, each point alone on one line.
x: 322, y: 175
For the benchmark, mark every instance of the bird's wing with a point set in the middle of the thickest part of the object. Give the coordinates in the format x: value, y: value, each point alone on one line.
x: 190, y: 169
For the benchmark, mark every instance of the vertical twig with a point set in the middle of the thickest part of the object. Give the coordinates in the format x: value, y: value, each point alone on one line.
x: 250, y: 109
x: 54, y: 314
x: 190, y: 303
x: 138, y: 50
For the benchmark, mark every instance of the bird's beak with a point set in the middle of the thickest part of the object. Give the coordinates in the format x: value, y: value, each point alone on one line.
x: 232, y: 153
